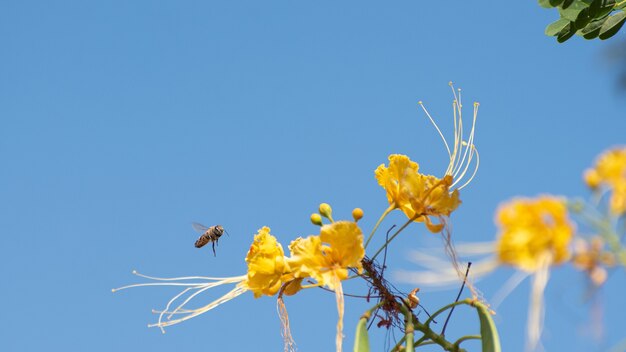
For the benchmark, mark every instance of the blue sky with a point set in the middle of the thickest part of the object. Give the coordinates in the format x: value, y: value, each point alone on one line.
x: 123, y: 122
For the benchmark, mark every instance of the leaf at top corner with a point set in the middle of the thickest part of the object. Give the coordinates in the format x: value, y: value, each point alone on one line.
x: 488, y: 332
x: 573, y: 11
x: 567, y: 3
x: 612, y: 25
x: 555, y: 27
x: 548, y: 4
x: 566, y: 33
x: 601, y: 8
x: 592, y: 30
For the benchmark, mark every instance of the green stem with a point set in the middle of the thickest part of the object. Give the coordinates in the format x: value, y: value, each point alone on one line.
x: 443, y: 309
x: 409, y: 328
x: 458, y: 342
x: 380, y: 220
x: 413, y: 324
x: 393, y: 236
x: 436, y: 338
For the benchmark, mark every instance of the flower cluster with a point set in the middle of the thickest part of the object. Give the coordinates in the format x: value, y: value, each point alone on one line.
x: 325, y: 259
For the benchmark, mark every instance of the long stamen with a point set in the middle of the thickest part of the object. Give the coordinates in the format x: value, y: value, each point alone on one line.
x: 475, y: 170
x: 437, y: 128
x: 169, y: 303
x: 508, y: 287
x: 179, y: 278
x: 457, y: 104
x: 191, y: 284
x: 186, y: 301
x: 470, y: 150
x: 536, y: 307
x: 238, y: 290
x: 218, y: 281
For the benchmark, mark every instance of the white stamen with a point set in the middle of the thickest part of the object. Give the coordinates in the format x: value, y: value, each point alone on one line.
x: 508, y: 287
x: 463, y: 151
x: 238, y: 290
x: 436, y: 127
x: 200, y: 287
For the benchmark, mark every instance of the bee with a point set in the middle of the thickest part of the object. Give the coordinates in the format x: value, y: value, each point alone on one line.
x: 208, y: 235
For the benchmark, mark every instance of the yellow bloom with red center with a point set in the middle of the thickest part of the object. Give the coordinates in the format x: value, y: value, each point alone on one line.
x: 418, y: 196
x: 610, y: 172
x: 533, y: 231
x: 327, y: 257
x: 266, y: 264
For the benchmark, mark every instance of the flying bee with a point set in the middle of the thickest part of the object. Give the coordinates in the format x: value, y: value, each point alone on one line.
x: 208, y: 235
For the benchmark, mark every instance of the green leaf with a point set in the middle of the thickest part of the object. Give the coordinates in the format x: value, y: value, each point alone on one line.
x: 592, y: 30
x: 601, y: 8
x: 566, y: 4
x: 548, y: 4
x: 555, y: 27
x: 361, y: 340
x: 612, y: 25
x: 573, y: 11
x: 566, y: 33
x: 488, y: 331
x: 583, y: 19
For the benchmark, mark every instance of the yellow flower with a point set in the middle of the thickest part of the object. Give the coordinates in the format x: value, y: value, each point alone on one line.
x: 418, y: 196
x: 329, y: 255
x: 266, y: 264
x: 326, y: 258
x: 533, y: 231
x: 610, y: 172
x: 421, y: 196
x: 266, y: 270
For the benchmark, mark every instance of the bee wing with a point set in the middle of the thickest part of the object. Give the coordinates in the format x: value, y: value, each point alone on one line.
x: 199, y: 227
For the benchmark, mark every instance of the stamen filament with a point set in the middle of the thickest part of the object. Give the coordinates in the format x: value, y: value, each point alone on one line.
x: 437, y: 128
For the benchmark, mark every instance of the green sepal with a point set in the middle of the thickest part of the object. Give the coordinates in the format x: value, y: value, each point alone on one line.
x: 361, y: 339
x: 488, y: 332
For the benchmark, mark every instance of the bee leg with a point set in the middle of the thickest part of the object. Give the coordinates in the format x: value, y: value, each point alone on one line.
x: 213, y: 243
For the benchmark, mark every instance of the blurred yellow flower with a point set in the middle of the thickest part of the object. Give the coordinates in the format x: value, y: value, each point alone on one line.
x: 266, y: 264
x: 532, y: 232
x: 609, y: 172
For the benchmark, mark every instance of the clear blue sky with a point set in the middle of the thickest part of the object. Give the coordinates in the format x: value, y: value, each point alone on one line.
x: 121, y: 122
